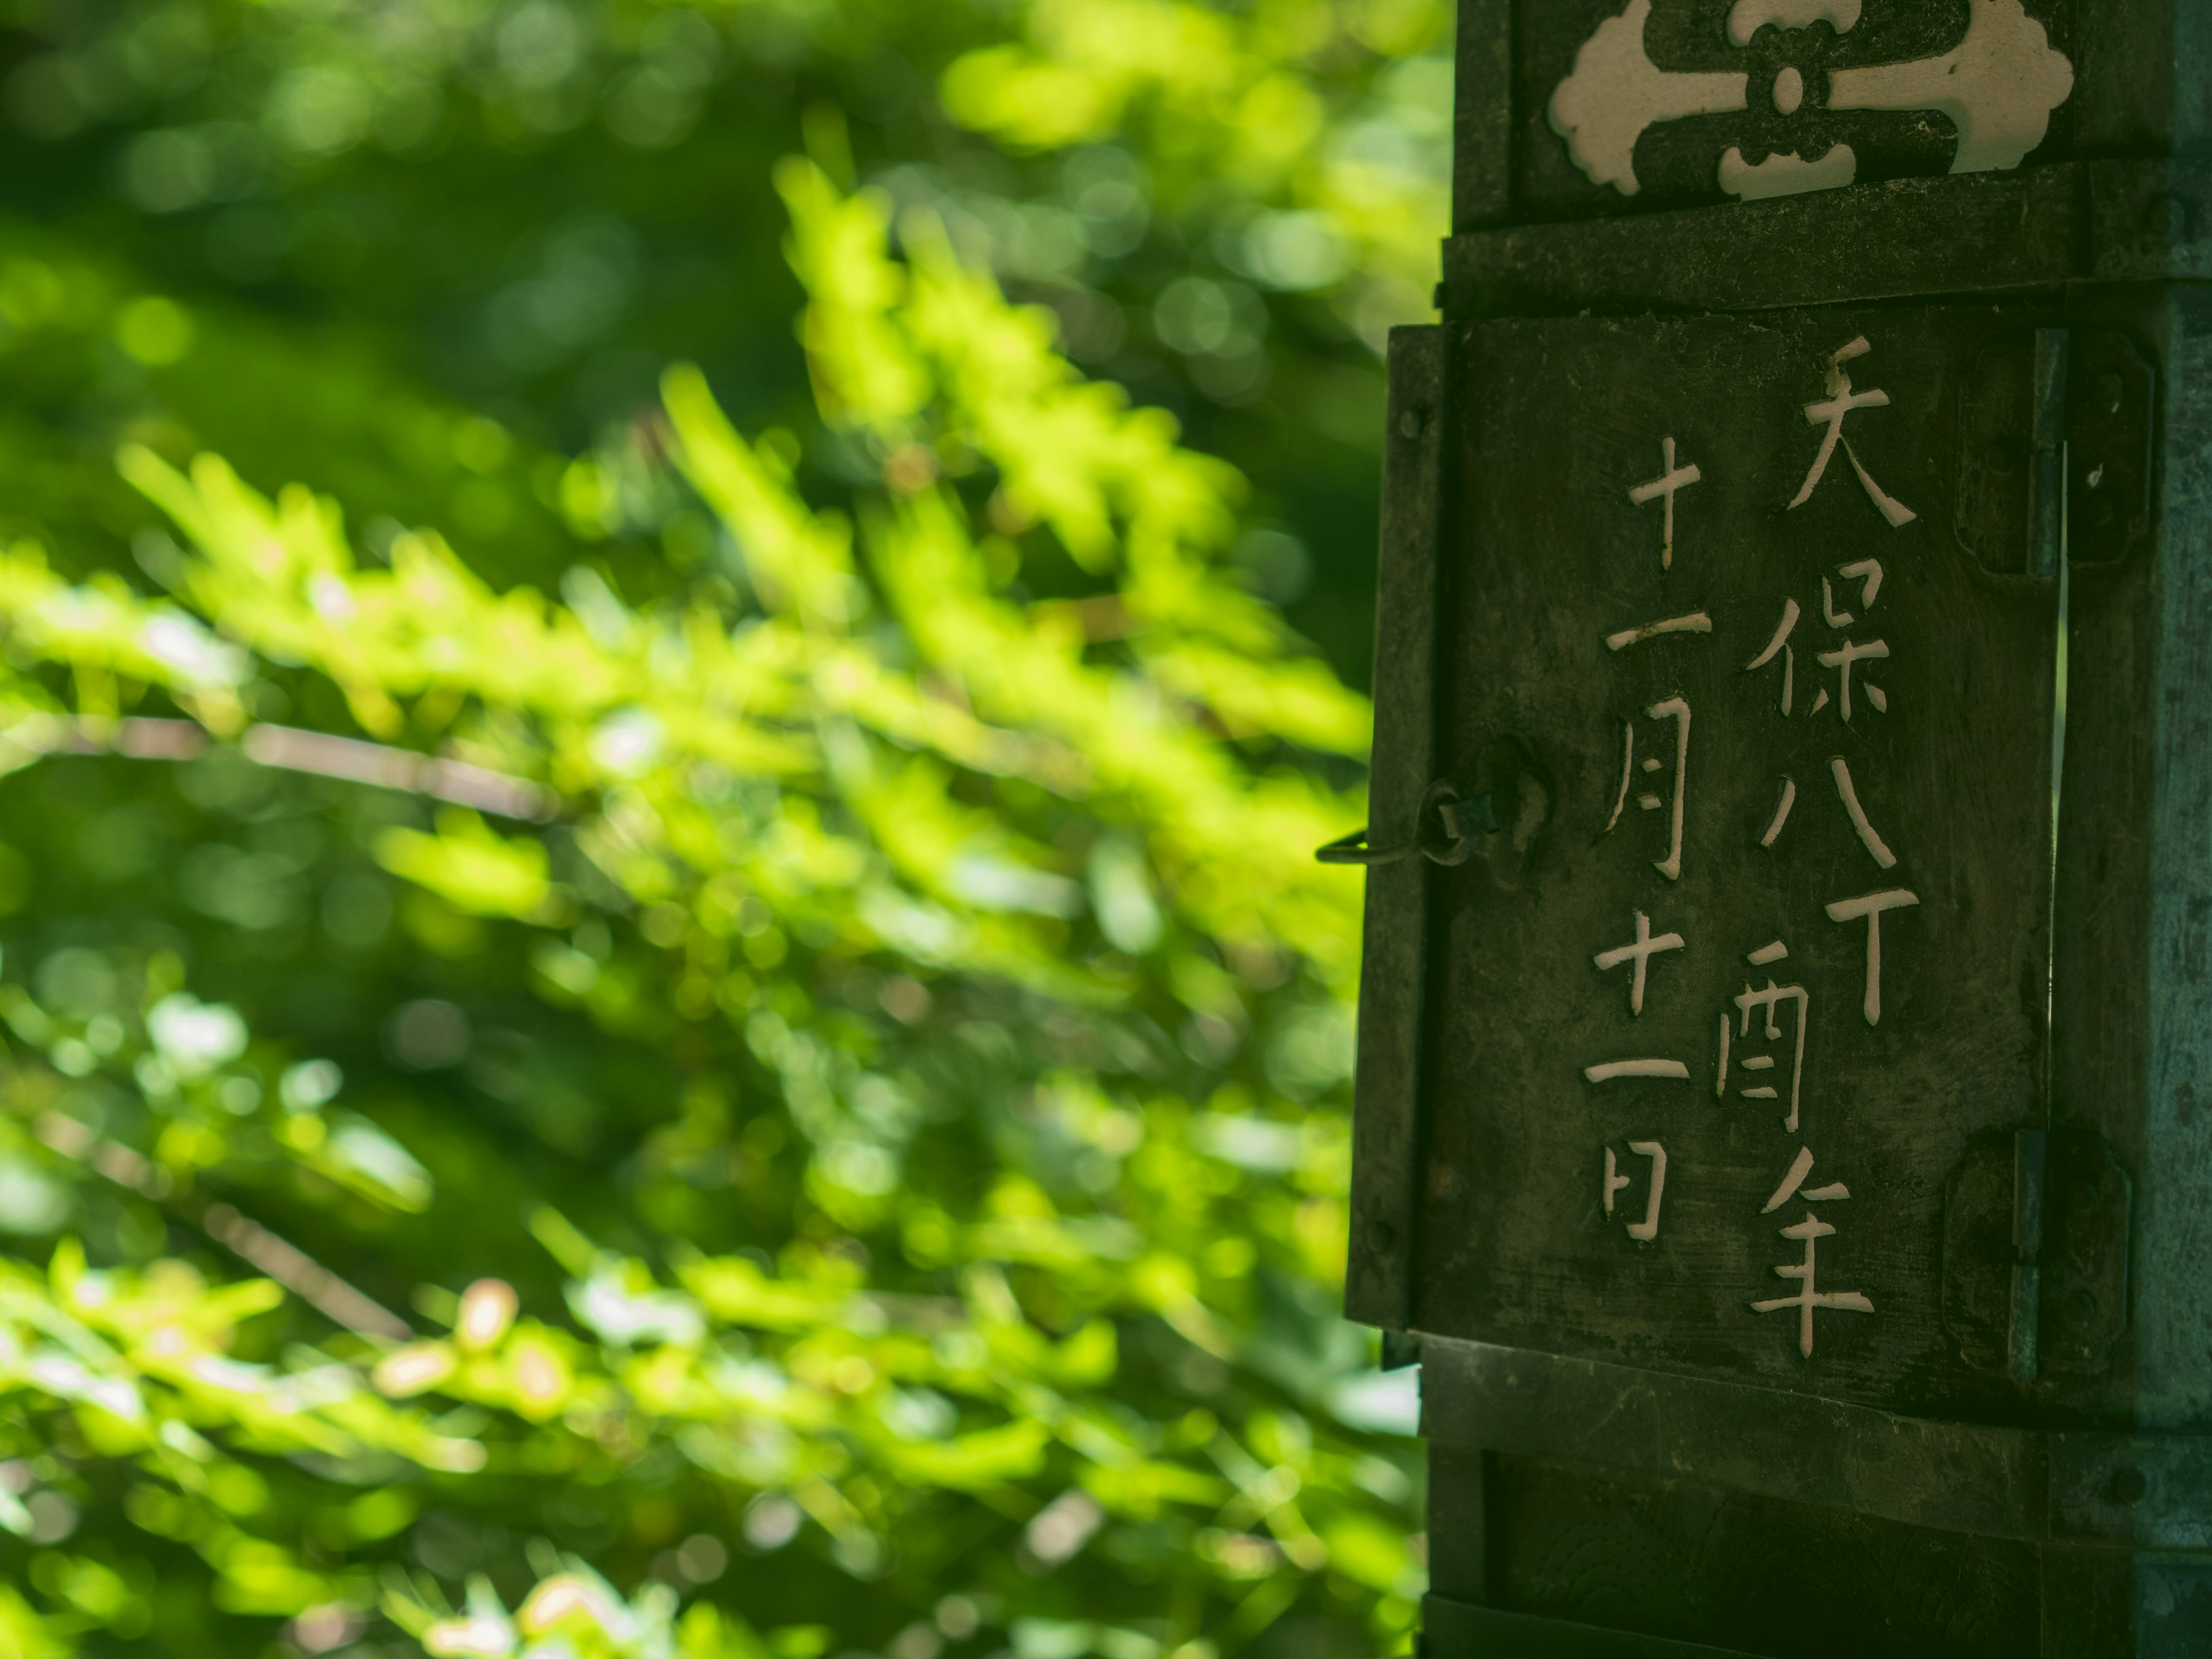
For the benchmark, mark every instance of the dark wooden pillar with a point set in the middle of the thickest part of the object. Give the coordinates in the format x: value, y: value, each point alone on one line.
x: 1785, y: 1102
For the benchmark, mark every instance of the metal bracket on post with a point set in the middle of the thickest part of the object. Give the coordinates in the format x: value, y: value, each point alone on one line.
x: 2047, y: 453
x: 2111, y: 403
x: 2035, y: 1254
x: 2080, y: 399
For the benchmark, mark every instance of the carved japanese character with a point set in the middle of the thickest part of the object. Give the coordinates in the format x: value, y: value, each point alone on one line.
x: 1676, y: 709
x: 1768, y: 1002
x: 1877, y: 850
x: 1780, y: 643
x: 1809, y: 1296
x: 1671, y: 479
x: 1648, y: 1229
x: 1793, y: 1182
x: 1697, y: 622
x: 1829, y: 413
x: 1843, y: 659
x: 1869, y: 907
x: 1639, y: 952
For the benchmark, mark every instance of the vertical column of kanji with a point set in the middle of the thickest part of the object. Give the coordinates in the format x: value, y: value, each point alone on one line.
x: 1849, y: 695
x: 1760, y: 1039
x: 1656, y: 781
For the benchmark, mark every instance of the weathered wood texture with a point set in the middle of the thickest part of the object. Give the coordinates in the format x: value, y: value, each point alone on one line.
x: 1551, y: 557
x: 2134, y: 1029
x: 1385, y: 1127
x: 2008, y: 1451
x: 2089, y: 221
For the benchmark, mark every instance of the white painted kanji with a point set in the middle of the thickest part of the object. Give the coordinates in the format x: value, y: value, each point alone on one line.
x: 1768, y: 1002
x: 1697, y: 622
x: 1843, y: 658
x: 1638, y: 953
x: 1870, y: 908
x: 1611, y: 1071
x: 1648, y: 1229
x: 1676, y: 709
x: 1780, y: 644
x: 1829, y: 413
x: 1809, y: 1296
x: 1847, y: 791
x: 1675, y: 800
x: 1781, y: 806
x: 1671, y: 480
x: 1801, y: 1168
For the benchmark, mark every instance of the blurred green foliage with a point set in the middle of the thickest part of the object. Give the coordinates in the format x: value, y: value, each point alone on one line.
x: 663, y: 989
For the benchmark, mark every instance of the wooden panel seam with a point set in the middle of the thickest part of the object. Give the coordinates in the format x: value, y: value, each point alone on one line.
x: 1377, y: 1286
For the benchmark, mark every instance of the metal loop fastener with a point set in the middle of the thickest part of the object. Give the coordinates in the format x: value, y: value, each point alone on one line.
x: 1446, y: 829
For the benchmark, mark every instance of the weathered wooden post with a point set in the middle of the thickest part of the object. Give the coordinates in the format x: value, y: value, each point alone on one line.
x: 1785, y: 1096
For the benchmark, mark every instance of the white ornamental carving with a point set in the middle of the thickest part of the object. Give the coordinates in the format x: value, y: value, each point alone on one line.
x: 1998, y: 87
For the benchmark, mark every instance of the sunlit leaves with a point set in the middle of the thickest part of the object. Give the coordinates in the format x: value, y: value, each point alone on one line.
x: 935, y: 829
x: 1308, y: 109
x: 469, y: 866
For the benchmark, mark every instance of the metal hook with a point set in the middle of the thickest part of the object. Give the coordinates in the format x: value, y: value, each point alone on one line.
x: 1460, y: 821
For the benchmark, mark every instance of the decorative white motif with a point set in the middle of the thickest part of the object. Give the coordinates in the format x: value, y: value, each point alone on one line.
x: 1747, y: 17
x: 1786, y: 173
x: 1997, y: 87
x: 1616, y: 91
